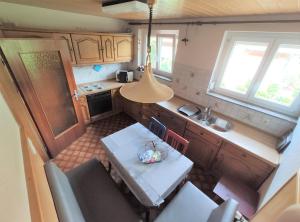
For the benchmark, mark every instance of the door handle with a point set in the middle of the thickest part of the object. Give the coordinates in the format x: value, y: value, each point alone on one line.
x: 76, y: 95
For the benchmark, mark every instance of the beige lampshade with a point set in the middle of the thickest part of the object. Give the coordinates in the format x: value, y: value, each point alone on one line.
x: 147, y: 90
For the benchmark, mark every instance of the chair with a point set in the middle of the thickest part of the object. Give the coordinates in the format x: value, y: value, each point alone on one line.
x: 176, y: 141
x: 157, y: 128
x: 85, y: 193
x: 192, y: 205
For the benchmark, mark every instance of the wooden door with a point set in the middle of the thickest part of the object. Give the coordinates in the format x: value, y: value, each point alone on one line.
x: 68, y: 44
x: 44, y: 75
x: 88, y: 49
x: 108, y: 48
x: 123, y: 48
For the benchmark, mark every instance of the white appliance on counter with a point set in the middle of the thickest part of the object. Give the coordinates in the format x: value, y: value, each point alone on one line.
x: 124, y: 76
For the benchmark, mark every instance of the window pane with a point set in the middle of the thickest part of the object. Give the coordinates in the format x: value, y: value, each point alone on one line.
x: 153, y: 54
x: 242, y: 65
x: 281, y: 83
x: 166, y: 54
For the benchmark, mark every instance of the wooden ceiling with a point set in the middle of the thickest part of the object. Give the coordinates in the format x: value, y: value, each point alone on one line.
x: 166, y: 9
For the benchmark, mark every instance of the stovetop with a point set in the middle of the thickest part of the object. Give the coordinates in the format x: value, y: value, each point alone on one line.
x: 91, y: 87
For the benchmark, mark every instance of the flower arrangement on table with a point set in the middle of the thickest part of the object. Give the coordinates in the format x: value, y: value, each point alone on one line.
x: 153, y: 153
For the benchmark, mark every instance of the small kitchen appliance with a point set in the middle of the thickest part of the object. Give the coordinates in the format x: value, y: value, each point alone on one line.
x: 124, y: 76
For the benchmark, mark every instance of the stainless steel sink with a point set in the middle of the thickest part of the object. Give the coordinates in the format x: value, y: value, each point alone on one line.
x: 212, y: 122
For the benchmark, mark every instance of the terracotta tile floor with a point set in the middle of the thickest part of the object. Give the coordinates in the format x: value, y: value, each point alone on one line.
x: 87, y: 147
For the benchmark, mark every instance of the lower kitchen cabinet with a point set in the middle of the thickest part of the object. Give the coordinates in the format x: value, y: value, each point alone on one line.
x: 200, y: 151
x: 172, y: 121
x: 133, y: 109
x: 116, y: 101
x: 148, y: 111
x: 85, y: 109
x: 235, y: 162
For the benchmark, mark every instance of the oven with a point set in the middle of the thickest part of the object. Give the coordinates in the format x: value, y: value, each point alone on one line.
x: 99, y: 103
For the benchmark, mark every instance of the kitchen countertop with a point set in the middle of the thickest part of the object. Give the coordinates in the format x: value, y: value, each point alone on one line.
x: 252, y: 140
x: 106, y: 85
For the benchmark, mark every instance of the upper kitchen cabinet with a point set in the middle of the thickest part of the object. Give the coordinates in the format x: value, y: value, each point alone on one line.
x: 123, y: 46
x: 87, y: 48
x: 68, y: 45
x: 108, y: 48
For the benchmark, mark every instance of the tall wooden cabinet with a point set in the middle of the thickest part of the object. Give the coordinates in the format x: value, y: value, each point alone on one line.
x: 88, y: 49
x: 123, y: 48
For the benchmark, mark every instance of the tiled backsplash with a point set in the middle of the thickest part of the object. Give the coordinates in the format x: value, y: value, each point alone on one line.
x: 86, y: 74
x: 191, y: 83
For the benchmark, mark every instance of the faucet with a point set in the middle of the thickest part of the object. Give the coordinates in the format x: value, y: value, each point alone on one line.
x: 206, y: 114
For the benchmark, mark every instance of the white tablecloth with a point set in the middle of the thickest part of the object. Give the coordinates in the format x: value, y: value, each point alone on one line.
x: 150, y: 183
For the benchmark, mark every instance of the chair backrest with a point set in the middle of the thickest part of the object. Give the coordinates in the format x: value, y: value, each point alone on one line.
x: 176, y: 141
x: 65, y: 202
x: 157, y: 128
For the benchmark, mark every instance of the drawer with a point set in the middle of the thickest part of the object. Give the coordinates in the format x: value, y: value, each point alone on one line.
x: 204, y: 134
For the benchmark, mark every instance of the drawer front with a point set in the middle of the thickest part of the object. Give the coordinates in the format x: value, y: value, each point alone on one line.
x: 204, y: 134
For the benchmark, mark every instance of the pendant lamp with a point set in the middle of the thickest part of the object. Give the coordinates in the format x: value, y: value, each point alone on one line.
x: 148, y: 89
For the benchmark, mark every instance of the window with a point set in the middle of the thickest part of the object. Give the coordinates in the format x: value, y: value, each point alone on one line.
x: 260, y: 69
x: 163, y: 49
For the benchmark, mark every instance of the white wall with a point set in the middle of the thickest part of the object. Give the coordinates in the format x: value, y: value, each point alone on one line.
x: 35, y: 17
x: 289, y: 165
x: 14, y: 205
x: 195, y: 62
x: 85, y: 74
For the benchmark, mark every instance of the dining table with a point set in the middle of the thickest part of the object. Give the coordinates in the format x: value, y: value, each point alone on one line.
x: 150, y: 183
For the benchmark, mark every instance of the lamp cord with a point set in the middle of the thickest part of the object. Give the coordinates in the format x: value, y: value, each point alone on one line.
x: 149, y: 28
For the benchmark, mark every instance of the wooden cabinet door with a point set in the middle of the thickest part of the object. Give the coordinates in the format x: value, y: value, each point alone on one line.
x: 85, y: 109
x: 87, y: 48
x: 45, y: 77
x: 123, y: 47
x: 172, y: 121
x: 200, y: 151
x: 116, y: 101
x: 68, y: 44
x: 108, y: 48
x: 235, y: 162
x: 25, y: 34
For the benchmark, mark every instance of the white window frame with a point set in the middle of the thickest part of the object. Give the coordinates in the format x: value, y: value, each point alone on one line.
x: 274, y: 40
x: 156, y: 70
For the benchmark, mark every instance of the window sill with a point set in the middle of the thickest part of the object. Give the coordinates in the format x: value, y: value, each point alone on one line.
x: 253, y: 107
x: 163, y: 77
